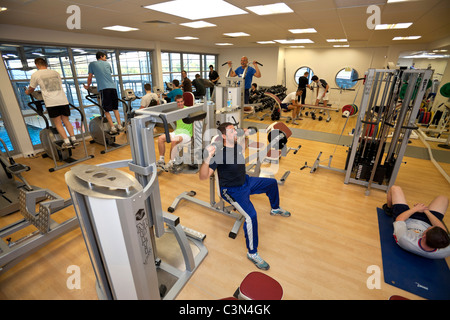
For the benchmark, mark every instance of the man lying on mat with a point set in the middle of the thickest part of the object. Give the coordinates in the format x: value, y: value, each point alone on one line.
x: 420, y: 229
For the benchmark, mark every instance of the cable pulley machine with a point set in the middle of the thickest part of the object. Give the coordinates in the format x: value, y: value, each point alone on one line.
x: 384, y: 125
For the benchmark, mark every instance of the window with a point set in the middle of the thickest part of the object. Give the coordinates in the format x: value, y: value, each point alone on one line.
x: 174, y: 62
x: 301, y: 71
x: 5, y: 137
x: 72, y: 64
x: 207, y: 61
x: 344, y: 78
x: 136, y: 71
x: 19, y: 62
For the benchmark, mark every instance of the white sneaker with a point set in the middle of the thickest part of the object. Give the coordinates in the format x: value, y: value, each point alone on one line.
x: 113, y: 130
x: 258, y: 261
x: 169, y: 165
x: 65, y: 145
x: 74, y: 142
x: 160, y: 164
x: 120, y: 128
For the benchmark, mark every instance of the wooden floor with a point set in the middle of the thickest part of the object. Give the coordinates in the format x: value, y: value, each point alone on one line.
x: 322, y: 251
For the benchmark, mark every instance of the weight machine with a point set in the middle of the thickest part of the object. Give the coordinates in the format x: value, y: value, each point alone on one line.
x: 121, y: 217
x: 10, y: 187
x: 45, y: 228
x: 52, y: 141
x: 99, y: 127
x: 372, y: 160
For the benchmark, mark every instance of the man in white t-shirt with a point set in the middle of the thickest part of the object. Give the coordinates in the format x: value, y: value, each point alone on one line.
x: 293, y: 102
x: 420, y: 229
x: 49, y: 81
x: 150, y: 99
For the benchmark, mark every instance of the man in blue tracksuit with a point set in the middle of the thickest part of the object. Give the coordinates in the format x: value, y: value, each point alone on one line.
x: 236, y: 186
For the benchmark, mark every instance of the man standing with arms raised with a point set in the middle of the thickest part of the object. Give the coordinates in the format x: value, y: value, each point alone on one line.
x: 248, y: 76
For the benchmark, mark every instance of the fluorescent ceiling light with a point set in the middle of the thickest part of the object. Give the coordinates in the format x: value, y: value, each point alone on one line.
x: 394, y: 1
x: 38, y: 54
x: 198, y: 24
x: 336, y: 40
x: 427, y: 56
x: 393, y: 26
x: 308, y: 30
x: 3, y: 9
x: 236, y: 34
x: 407, y: 38
x: 341, y: 46
x: 197, y: 9
x: 296, y: 46
x: 186, y: 38
x: 223, y: 44
x: 292, y: 41
x: 275, y: 8
x: 120, y: 28
x: 440, y: 50
x: 265, y: 42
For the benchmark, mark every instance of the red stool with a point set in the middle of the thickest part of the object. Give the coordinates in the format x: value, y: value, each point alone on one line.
x: 259, y: 286
x: 395, y: 297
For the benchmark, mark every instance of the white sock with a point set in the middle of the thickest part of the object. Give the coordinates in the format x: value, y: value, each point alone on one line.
x: 66, y: 140
x: 73, y: 138
x: 161, y: 158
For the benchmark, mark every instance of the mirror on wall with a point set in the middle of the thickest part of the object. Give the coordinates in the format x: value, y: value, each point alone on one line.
x: 301, y: 71
x: 344, y: 78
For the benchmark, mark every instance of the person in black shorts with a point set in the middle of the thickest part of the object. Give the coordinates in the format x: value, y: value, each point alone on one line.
x: 106, y: 86
x: 303, y: 84
x: 56, y: 103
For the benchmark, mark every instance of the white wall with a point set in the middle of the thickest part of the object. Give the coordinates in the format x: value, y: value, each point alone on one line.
x: 324, y: 62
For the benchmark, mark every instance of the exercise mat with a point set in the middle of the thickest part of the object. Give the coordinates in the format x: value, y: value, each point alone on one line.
x: 424, y: 277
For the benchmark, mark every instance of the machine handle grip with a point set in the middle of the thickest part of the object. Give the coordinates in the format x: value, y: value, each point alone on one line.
x: 166, y: 127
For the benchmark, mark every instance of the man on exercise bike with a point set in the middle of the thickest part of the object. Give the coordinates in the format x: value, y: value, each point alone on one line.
x: 236, y: 186
x: 49, y: 81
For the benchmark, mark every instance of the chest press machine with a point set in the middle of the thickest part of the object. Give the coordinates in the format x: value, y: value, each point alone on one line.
x: 121, y: 218
x: 278, y: 134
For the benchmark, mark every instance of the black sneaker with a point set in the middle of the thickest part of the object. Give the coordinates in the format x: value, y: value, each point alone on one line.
x: 387, y: 210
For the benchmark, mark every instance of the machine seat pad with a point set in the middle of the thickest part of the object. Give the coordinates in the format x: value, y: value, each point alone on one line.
x: 259, y: 286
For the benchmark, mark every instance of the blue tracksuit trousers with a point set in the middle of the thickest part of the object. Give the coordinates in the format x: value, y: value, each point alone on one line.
x: 239, y: 197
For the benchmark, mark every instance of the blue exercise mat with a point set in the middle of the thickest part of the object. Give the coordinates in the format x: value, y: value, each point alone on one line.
x: 424, y: 277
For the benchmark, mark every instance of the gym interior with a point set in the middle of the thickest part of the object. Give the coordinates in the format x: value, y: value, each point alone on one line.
x: 387, y: 66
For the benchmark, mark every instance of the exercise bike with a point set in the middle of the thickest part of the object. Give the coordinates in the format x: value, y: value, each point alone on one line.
x: 99, y: 127
x: 52, y: 141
